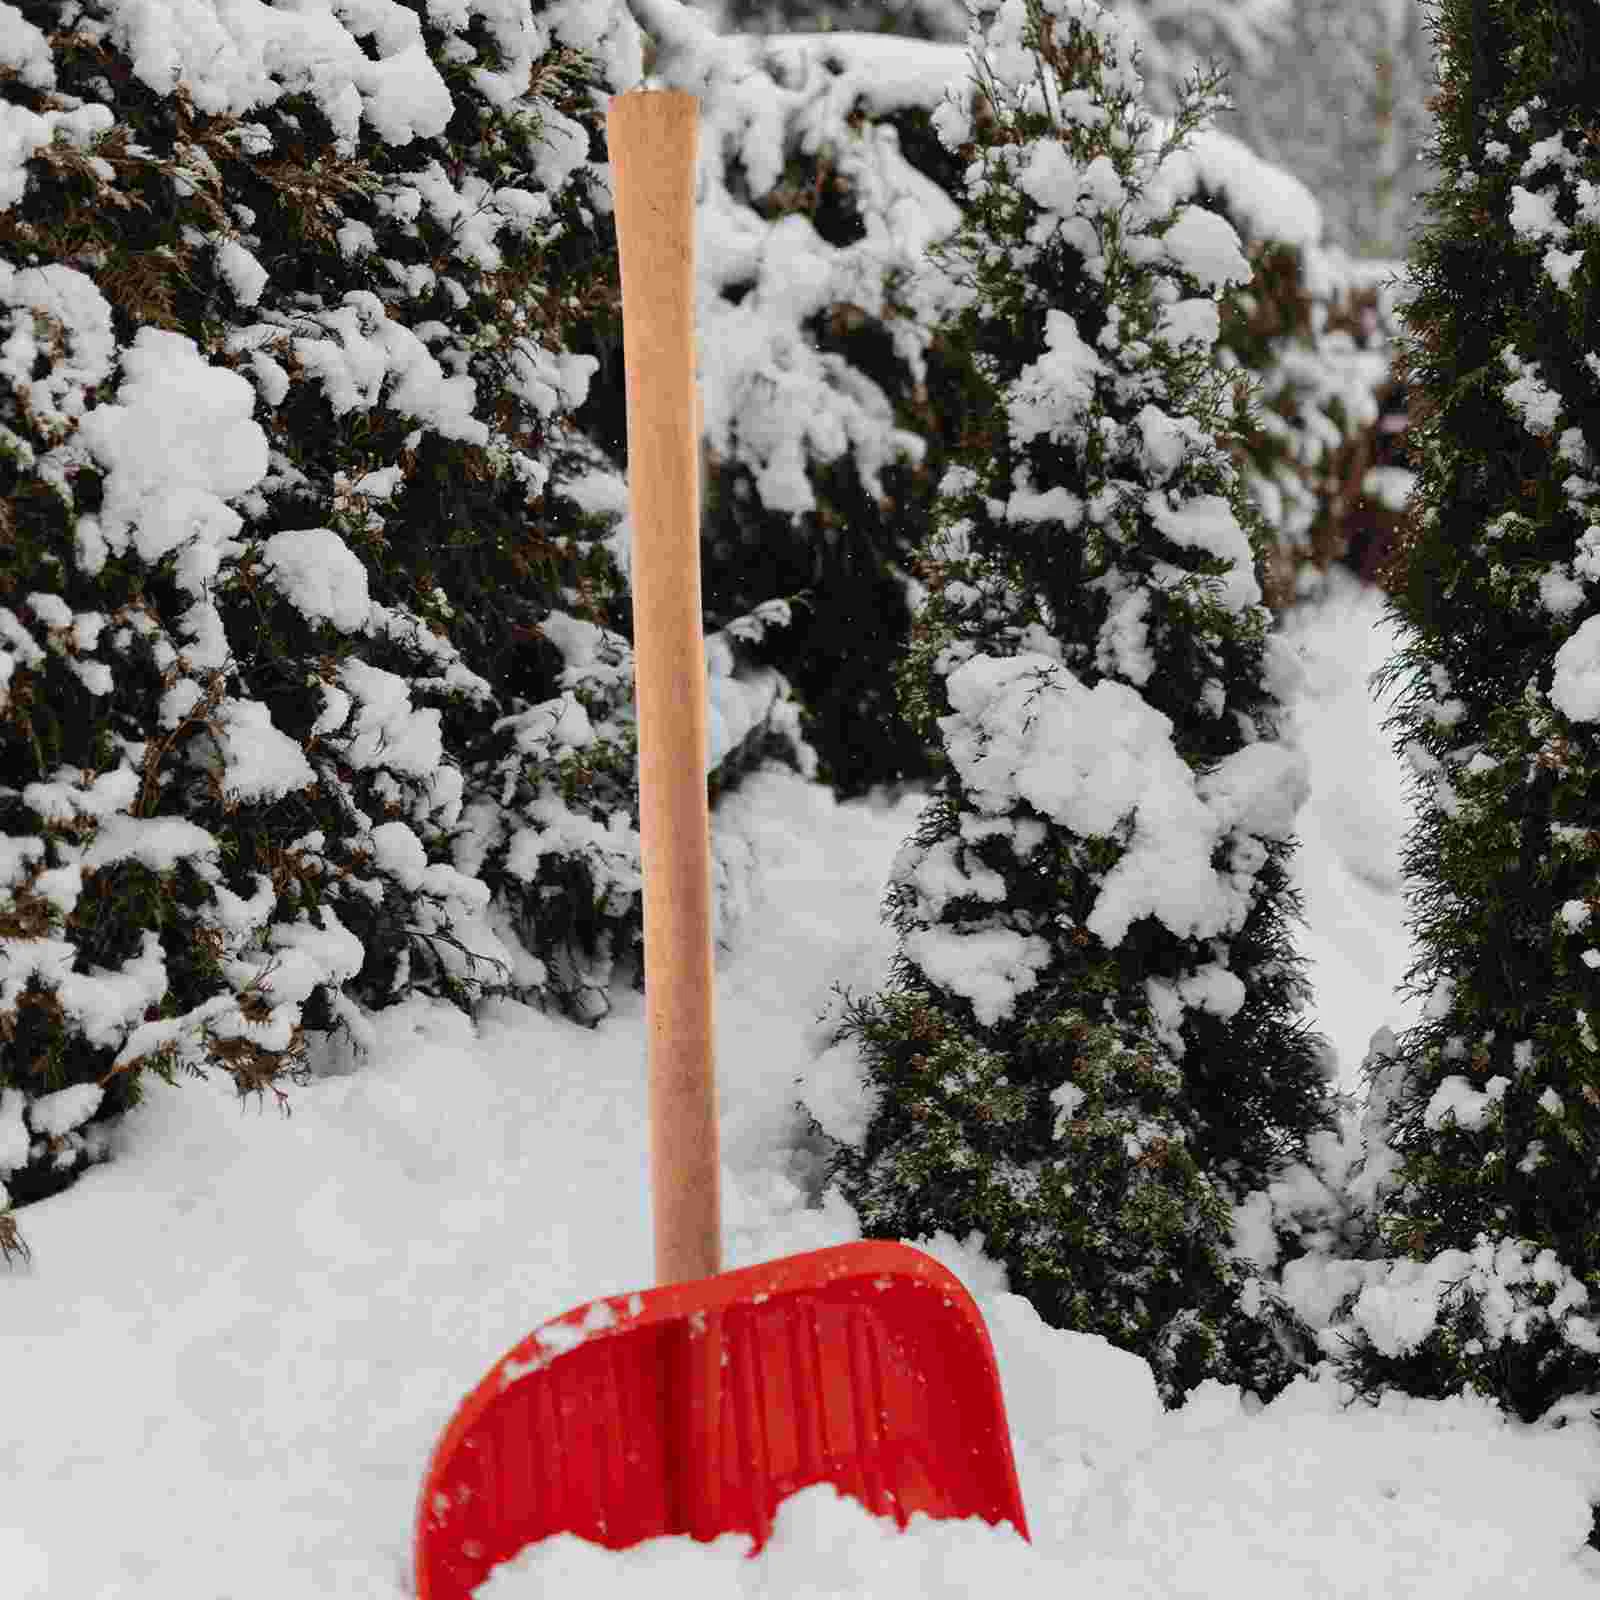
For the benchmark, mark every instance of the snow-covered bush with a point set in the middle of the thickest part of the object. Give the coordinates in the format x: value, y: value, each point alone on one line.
x: 823, y: 398
x: 1312, y: 1232
x: 1493, y: 1099
x: 831, y: 403
x: 314, y: 684
x: 1333, y: 92
x: 917, y: 19
x: 1092, y: 1050
x: 1370, y: 477
x: 1317, y: 334
x: 1172, y: 36
x: 285, y: 378
x: 551, y: 826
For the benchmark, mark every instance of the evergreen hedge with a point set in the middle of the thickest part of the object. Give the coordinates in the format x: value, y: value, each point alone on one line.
x: 834, y: 404
x: 1092, y: 1049
x: 1489, y: 1147
x: 315, y: 689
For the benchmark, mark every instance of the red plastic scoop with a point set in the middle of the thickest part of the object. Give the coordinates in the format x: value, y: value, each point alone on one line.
x: 696, y: 1407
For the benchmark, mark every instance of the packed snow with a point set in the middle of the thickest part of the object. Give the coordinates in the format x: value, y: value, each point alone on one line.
x: 1352, y: 829
x: 238, y: 1339
x: 1024, y: 727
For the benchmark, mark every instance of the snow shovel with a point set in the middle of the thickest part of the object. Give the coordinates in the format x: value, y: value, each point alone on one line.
x: 695, y: 1407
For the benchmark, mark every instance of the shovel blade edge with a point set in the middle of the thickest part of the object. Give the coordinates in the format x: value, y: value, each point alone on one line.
x: 697, y: 1407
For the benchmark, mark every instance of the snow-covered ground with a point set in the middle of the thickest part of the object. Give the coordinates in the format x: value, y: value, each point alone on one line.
x: 223, y: 1369
x: 1353, y: 827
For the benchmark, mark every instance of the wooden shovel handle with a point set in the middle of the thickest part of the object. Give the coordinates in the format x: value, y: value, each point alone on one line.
x: 653, y: 138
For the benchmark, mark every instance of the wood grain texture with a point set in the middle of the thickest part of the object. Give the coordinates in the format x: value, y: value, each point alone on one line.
x: 653, y: 137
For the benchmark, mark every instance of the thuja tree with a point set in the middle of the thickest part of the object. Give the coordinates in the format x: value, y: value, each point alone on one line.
x: 1494, y: 1097
x: 313, y: 689
x: 832, y: 401
x: 1091, y: 1049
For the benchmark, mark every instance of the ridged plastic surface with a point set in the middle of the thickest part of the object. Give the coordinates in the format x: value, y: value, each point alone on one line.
x: 696, y: 1408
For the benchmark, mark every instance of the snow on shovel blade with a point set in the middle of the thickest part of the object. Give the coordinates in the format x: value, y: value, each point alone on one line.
x: 697, y: 1407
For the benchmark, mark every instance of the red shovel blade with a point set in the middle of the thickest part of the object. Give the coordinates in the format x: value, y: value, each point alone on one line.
x: 697, y: 1407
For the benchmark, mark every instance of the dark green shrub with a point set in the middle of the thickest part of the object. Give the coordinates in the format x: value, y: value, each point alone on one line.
x: 1092, y: 1051
x: 1493, y: 1099
x: 834, y: 402
x: 309, y: 606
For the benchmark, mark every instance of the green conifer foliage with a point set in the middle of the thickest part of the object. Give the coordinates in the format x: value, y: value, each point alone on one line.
x: 1091, y: 1050
x: 833, y: 403
x: 285, y: 392
x: 1494, y: 1109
